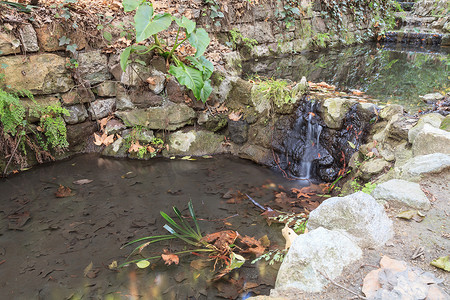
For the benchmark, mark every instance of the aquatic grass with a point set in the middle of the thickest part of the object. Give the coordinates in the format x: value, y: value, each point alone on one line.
x: 180, y: 229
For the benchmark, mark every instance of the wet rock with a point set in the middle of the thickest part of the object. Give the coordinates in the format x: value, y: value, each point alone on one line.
x: 78, y: 114
x: 238, y: 131
x: 256, y: 154
x: 320, y: 250
x: 107, y: 89
x: 373, y: 167
x: 40, y: 74
x: 93, y: 67
x: 195, y: 143
x: 156, y: 81
x: 175, y: 91
x: 432, y: 98
x: 422, y: 165
x: 400, y: 192
x: 169, y: 117
x: 116, y: 149
x: 29, y: 38
x: 78, y: 135
x: 434, y: 119
x: 357, y: 214
x: 445, y: 125
x: 102, y: 108
x: 402, y: 154
x: 431, y: 140
x: 391, y: 110
x: 398, y: 127
x: 8, y: 44
x: 334, y: 111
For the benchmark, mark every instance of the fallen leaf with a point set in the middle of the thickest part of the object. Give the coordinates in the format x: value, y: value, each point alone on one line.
x: 104, y: 139
x: 442, y: 262
x: 88, y: 269
x: 82, y: 181
x: 250, y: 285
x: 135, y: 146
x: 235, y: 116
x: 113, y: 265
x: 254, y: 246
x: 170, y: 259
x: 63, y: 191
x: 392, y: 264
x: 142, y: 264
x: 151, y: 80
x: 371, y: 283
x: 289, y: 235
x: 407, y: 215
x: 18, y: 220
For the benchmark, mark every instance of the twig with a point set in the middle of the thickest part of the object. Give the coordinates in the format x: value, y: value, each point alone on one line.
x: 12, y: 155
x: 342, y: 287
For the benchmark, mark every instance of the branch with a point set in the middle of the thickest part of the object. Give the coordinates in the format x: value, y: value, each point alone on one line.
x: 342, y: 287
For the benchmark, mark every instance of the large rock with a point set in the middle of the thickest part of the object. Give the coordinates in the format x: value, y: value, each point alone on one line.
x: 434, y: 119
x: 107, y: 89
x: 40, y: 102
x: 318, y: 251
x: 40, y: 74
x: 334, y: 111
x: 93, y: 67
x: 9, y: 44
x: 102, y: 108
x: 391, y: 110
x: 445, y: 125
x: 357, y: 214
x: 421, y: 165
x: 77, y: 114
x: 78, y: 135
x: 238, y: 131
x: 195, y: 143
x: 29, y: 38
x: 431, y: 140
x: 169, y: 117
x: 400, y: 192
x: 239, y: 95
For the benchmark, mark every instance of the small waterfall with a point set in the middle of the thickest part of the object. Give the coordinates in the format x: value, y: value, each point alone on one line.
x: 312, y: 143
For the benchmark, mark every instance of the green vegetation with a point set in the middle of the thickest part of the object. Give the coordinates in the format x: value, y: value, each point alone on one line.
x: 279, y: 91
x: 272, y: 256
x: 366, y: 188
x: 151, y: 146
x: 195, y: 77
x: 237, y: 38
x: 18, y: 134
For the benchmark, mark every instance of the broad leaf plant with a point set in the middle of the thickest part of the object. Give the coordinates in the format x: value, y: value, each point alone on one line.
x: 195, y: 76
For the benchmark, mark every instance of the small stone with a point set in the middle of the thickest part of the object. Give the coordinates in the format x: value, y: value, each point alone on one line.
x: 432, y: 98
x: 29, y: 38
x: 421, y: 165
x: 93, y: 67
x: 373, y: 167
x: 391, y: 110
x: 107, y: 89
x: 156, y: 81
x: 114, y: 126
x: 238, y: 131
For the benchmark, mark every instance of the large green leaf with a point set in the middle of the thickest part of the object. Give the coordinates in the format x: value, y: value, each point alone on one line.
x: 199, y: 39
x: 146, y: 25
x: 124, y: 56
x: 189, y: 77
x: 202, y: 64
x: 186, y: 23
x: 130, y: 5
x: 206, y: 91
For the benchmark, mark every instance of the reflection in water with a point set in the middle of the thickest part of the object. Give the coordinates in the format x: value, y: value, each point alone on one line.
x: 63, y: 251
x: 396, y: 75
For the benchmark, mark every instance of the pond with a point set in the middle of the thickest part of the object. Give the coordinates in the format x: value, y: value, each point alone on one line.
x: 60, y: 248
x: 392, y: 74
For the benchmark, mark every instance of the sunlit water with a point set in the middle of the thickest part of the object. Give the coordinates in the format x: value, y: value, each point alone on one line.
x: 50, y: 256
x: 387, y: 73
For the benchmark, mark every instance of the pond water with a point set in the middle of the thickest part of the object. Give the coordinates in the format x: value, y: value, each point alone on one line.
x: 392, y: 74
x: 47, y: 244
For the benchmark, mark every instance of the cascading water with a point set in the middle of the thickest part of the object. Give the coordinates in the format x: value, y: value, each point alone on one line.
x: 312, y: 143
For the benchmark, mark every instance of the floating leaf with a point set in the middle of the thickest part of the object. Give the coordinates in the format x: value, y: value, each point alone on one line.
x: 236, y: 261
x: 170, y: 259
x: 82, y: 181
x: 142, y: 264
x: 63, y: 192
x: 351, y: 145
x: 442, y: 262
x: 113, y: 265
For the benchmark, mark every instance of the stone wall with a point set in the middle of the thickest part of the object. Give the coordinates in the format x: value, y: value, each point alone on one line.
x: 32, y: 58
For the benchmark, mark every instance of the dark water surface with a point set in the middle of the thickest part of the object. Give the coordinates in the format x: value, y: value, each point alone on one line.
x: 48, y: 257
x: 389, y: 73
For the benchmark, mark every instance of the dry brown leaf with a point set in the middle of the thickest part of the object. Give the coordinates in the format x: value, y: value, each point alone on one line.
x: 135, y: 146
x: 170, y: 259
x: 371, y: 283
x: 151, y: 80
x: 199, y: 264
x: 63, y: 191
x: 235, y: 116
